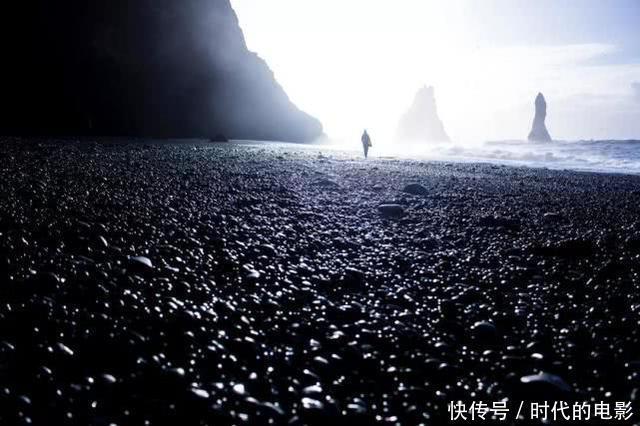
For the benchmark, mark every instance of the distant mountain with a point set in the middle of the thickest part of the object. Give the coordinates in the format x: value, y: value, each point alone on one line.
x: 421, y: 122
x: 162, y: 68
x: 539, y: 132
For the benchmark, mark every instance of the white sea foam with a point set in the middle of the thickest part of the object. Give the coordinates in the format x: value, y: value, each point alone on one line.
x: 611, y: 156
x: 598, y: 156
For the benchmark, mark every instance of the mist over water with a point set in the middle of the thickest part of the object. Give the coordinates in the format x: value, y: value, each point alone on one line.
x: 606, y: 156
x: 596, y: 156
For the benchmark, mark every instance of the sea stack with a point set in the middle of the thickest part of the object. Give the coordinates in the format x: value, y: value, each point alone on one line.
x: 539, y: 132
x: 421, y: 122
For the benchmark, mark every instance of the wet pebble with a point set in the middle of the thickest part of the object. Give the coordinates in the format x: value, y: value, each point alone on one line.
x: 141, y: 262
x: 415, y: 189
x: 391, y: 210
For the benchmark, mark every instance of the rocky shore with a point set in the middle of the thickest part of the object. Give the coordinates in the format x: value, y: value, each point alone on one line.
x: 194, y: 283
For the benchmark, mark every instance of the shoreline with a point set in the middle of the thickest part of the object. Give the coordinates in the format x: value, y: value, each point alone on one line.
x: 354, y: 152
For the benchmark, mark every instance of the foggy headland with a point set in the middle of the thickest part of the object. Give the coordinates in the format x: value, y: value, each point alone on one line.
x: 145, y: 68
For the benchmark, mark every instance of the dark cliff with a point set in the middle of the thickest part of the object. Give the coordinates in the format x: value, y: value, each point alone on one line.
x: 152, y: 68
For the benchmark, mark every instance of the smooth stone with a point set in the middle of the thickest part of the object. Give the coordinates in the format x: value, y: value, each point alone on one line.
x: 239, y: 389
x: 250, y: 272
x: 108, y: 378
x: 415, y: 189
x: 552, y: 217
x: 65, y: 349
x: 103, y: 241
x: 484, y: 331
x: 312, y: 390
x: 268, y: 249
x: 179, y: 371
x: 200, y: 393
x: 356, y: 409
x: 546, y: 379
x: 274, y: 408
x: 391, y: 210
x: 141, y: 261
x: 312, y: 404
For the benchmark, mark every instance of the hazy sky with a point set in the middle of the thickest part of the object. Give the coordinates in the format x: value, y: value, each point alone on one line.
x: 359, y: 63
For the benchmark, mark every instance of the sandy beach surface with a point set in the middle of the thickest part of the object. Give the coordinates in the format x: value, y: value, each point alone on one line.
x: 195, y: 283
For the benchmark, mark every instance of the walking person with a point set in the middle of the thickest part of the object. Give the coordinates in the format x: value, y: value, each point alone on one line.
x: 366, y: 143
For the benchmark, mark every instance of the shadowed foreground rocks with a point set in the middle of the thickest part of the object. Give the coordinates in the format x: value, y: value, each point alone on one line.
x: 209, y: 283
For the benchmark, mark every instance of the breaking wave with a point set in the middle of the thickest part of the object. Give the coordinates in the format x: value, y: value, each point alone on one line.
x: 607, y: 156
x: 597, y: 156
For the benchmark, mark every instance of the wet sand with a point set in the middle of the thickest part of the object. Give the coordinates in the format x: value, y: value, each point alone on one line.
x: 200, y: 283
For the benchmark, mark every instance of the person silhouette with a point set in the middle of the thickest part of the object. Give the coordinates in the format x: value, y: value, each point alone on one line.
x: 366, y: 143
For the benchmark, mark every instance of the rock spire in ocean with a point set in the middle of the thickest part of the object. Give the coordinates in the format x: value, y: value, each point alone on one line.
x: 539, y: 132
x: 421, y: 122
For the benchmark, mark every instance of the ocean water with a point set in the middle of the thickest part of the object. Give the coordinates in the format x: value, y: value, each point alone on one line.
x: 606, y: 156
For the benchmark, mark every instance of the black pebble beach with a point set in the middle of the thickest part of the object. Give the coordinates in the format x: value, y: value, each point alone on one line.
x: 209, y: 284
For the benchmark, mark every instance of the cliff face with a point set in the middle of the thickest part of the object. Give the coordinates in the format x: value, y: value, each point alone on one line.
x: 421, y: 122
x: 539, y: 132
x: 139, y: 68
